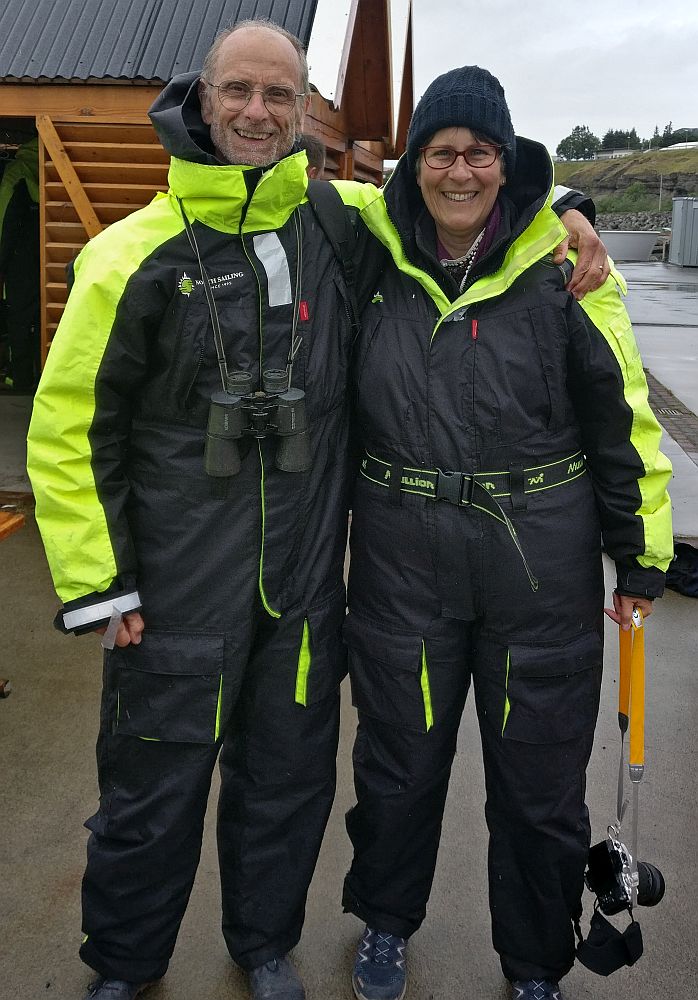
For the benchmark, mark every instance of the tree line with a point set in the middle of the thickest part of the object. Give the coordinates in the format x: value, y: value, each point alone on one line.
x: 582, y: 144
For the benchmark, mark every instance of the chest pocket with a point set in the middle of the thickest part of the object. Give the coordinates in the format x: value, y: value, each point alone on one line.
x: 549, y: 338
x: 519, y: 379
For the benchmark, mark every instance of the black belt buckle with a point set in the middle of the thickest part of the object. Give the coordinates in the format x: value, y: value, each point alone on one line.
x: 449, y: 486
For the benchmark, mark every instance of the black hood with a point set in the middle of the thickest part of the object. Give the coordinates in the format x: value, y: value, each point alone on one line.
x: 176, y: 117
x: 524, y: 193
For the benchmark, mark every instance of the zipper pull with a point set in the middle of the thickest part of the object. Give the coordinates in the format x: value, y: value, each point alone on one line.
x: 473, y: 329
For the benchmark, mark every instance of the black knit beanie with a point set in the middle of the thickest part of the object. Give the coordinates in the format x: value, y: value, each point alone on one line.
x: 469, y: 97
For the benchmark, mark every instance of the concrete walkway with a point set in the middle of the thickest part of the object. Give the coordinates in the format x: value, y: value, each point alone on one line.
x: 48, y: 786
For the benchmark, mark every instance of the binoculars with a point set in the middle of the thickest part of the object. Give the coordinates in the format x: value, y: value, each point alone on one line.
x: 245, y: 411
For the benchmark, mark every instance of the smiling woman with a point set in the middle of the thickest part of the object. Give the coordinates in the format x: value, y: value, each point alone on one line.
x: 459, y: 191
x: 501, y: 425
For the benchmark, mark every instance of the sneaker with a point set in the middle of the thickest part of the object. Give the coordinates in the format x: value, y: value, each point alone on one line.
x: 534, y: 989
x: 114, y: 989
x: 276, y: 980
x: 379, y: 970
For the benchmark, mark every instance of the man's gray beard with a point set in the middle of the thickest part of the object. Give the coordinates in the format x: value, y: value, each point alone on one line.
x: 223, y: 143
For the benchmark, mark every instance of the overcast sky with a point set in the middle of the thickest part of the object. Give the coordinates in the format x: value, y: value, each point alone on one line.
x: 602, y: 63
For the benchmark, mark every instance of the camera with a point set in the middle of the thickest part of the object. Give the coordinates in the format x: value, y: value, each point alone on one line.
x: 610, y: 877
x: 244, y: 410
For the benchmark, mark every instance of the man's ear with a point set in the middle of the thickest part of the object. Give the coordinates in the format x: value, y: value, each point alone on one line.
x: 304, y: 107
x: 204, y: 101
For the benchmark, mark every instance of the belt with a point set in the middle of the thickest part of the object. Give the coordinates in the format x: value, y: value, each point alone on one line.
x: 460, y: 487
x: 476, y: 489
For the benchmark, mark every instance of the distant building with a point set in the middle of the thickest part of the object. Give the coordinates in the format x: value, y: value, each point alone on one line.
x: 614, y: 154
x: 679, y: 145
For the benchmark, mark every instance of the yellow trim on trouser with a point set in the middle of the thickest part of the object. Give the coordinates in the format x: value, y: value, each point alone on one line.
x: 217, y: 731
x: 426, y: 690
x: 507, y: 704
x: 304, y: 658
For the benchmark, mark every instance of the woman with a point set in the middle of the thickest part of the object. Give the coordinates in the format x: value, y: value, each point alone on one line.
x: 505, y: 431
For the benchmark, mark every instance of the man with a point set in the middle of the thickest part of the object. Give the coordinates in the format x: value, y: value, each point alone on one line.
x: 316, y: 153
x: 235, y: 561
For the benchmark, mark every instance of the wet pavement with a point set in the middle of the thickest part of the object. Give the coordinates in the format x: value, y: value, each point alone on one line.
x: 48, y: 781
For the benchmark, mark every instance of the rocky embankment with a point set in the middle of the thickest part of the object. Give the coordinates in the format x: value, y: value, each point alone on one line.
x: 634, y: 220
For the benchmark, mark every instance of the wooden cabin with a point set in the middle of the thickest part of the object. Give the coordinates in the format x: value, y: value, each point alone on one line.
x: 83, y: 73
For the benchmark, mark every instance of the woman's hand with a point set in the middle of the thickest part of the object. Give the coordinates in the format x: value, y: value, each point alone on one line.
x: 592, y: 267
x: 623, y: 606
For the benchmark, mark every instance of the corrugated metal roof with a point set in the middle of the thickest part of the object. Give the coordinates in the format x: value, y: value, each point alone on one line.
x: 132, y: 39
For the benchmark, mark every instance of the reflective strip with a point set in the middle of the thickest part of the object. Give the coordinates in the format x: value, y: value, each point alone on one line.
x: 304, y: 658
x: 273, y: 258
x: 98, y: 612
x: 426, y: 690
x: 507, y: 705
x: 560, y: 192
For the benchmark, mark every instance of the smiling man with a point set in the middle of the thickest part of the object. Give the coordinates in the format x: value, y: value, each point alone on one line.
x: 215, y: 570
x: 249, y: 97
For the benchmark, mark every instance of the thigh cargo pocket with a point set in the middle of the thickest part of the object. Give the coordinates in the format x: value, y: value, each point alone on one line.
x: 389, y: 674
x: 322, y: 657
x: 552, y: 692
x: 169, y: 687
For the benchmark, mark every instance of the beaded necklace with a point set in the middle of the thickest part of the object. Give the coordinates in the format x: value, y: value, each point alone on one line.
x: 454, y: 267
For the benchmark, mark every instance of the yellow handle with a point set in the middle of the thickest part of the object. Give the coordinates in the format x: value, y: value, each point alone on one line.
x: 637, y: 691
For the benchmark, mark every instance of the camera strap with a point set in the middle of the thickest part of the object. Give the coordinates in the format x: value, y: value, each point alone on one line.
x: 631, y: 715
x: 607, y: 949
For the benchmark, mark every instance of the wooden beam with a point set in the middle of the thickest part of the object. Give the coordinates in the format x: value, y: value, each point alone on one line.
x: 346, y: 54
x: 368, y: 85
x: 66, y: 170
x: 78, y: 102
x: 406, y: 96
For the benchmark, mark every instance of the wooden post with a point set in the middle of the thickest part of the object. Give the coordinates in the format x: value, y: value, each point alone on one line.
x: 346, y: 165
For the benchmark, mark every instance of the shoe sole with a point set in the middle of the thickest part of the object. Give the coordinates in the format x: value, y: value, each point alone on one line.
x: 362, y: 996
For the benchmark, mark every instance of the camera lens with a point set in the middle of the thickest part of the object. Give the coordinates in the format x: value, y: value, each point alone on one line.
x: 651, y: 884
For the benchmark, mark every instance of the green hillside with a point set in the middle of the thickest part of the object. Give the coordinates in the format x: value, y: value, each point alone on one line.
x: 678, y: 171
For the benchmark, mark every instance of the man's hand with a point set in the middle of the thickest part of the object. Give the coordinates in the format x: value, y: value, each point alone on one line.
x: 592, y: 267
x: 130, y: 629
x: 622, y: 611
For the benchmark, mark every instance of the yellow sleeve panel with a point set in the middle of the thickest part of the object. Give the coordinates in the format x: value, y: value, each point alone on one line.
x: 70, y: 515
x: 607, y: 312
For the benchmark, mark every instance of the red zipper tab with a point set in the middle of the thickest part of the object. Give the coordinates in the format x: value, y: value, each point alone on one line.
x: 473, y: 329
x: 303, y: 311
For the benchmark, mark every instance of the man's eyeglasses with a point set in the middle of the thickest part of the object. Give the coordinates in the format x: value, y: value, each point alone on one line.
x: 236, y: 95
x: 442, y: 157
